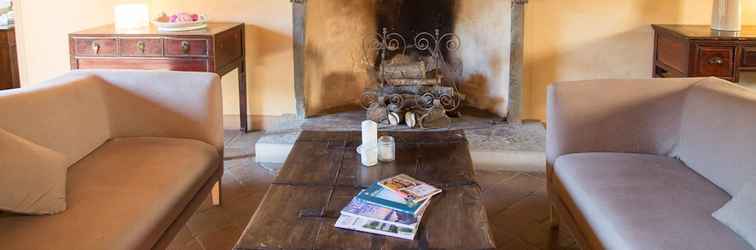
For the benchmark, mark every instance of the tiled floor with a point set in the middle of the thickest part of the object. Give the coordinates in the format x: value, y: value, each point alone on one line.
x: 516, y: 204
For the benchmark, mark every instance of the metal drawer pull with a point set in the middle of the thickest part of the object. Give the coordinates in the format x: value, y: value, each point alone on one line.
x: 716, y: 60
x: 185, y: 47
x: 96, y: 47
x: 140, y: 46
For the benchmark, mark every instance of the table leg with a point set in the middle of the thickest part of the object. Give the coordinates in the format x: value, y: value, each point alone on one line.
x: 243, y: 97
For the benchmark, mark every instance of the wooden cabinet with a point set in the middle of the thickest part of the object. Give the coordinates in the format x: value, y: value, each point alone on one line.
x: 218, y: 49
x: 699, y: 51
x: 8, y: 59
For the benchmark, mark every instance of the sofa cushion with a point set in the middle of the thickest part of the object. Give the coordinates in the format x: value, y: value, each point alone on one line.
x: 67, y: 114
x: 717, y: 134
x: 123, y: 195
x: 32, y: 177
x: 637, y: 201
x: 740, y: 213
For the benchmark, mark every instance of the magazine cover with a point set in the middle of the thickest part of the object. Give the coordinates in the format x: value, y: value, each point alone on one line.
x: 378, y: 195
x: 376, y: 227
x: 366, y: 210
x: 409, y: 188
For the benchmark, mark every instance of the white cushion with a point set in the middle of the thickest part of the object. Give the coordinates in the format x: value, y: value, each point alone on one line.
x: 740, y: 213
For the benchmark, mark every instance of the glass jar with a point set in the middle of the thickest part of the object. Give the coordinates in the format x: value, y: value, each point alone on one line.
x: 386, y: 149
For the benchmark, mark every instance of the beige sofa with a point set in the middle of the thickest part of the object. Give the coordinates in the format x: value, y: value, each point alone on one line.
x: 642, y: 164
x: 144, y: 150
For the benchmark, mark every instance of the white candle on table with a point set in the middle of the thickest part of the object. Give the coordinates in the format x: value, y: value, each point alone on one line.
x: 369, y: 143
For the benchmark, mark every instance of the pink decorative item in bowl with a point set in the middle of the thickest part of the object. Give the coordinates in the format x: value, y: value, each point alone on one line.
x: 180, y: 22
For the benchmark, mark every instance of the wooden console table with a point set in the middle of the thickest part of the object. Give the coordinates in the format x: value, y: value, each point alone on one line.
x: 218, y: 49
x: 8, y: 58
x: 699, y: 51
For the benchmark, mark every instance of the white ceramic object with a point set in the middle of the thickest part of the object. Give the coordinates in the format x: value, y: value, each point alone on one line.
x: 181, y: 26
x: 369, y: 148
x: 726, y: 15
x: 131, y: 16
x: 368, y: 155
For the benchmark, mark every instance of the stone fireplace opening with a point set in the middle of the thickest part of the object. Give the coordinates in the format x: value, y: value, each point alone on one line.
x: 415, y: 70
x: 410, y: 17
x: 333, y: 68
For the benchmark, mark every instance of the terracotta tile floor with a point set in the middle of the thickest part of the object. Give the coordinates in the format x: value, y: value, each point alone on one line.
x: 516, y: 203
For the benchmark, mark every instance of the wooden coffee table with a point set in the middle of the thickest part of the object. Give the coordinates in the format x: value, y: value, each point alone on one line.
x: 323, y: 173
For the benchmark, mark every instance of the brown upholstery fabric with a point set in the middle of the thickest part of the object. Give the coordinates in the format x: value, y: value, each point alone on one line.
x: 638, y: 116
x: 636, y: 201
x: 67, y: 114
x: 121, y: 196
x: 163, y: 104
x: 77, y: 112
x: 32, y: 177
x: 718, y: 133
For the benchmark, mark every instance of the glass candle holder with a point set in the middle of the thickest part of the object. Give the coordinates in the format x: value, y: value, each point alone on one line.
x: 369, y: 155
x: 386, y: 149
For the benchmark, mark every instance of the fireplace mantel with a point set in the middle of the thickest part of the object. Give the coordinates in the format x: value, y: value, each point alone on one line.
x: 299, y: 12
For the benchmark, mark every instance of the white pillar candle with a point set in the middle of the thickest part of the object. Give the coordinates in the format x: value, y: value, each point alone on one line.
x: 369, y: 143
x: 726, y: 15
x: 369, y: 134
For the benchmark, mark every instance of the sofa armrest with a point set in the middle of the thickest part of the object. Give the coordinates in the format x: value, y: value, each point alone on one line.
x: 633, y: 116
x: 163, y: 104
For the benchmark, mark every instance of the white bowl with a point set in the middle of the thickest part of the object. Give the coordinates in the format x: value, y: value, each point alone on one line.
x: 181, y: 26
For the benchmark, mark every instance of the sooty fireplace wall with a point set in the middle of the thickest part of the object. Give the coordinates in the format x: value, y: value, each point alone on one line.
x: 415, y: 70
x: 328, y: 45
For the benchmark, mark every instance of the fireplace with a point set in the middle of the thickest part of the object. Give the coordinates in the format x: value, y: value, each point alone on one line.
x: 413, y: 67
x: 333, y: 67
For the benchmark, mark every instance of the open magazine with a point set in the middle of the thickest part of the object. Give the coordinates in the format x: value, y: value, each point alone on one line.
x: 409, y: 188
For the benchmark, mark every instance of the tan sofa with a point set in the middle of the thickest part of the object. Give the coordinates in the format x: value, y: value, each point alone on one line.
x: 144, y: 150
x: 642, y: 164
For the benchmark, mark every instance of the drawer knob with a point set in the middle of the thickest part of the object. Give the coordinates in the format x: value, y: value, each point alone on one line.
x: 95, y: 47
x: 140, y: 46
x: 185, y: 47
x: 716, y: 60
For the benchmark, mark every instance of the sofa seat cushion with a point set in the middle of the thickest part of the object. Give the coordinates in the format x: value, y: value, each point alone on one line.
x: 123, y: 195
x: 637, y: 201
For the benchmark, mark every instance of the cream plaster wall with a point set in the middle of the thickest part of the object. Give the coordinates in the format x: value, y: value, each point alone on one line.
x: 42, y: 33
x: 335, y: 74
x: 484, y: 29
x: 270, y: 67
x: 565, y: 40
x: 43, y: 43
x: 588, y: 39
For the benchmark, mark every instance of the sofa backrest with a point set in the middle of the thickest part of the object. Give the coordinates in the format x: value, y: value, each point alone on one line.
x: 66, y: 114
x: 718, y: 133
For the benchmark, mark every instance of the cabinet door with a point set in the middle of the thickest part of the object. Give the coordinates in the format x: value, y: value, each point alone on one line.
x: 716, y: 61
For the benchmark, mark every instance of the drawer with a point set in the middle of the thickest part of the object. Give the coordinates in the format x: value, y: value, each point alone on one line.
x: 749, y: 56
x: 176, y: 64
x: 186, y: 47
x: 95, y: 46
x: 715, y: 61
x: 140, y: 47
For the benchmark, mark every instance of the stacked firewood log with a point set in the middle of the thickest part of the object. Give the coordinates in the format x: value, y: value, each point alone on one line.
x: 412, y: 93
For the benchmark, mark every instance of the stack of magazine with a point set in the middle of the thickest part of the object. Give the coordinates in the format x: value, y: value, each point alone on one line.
x: 391, y: 207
